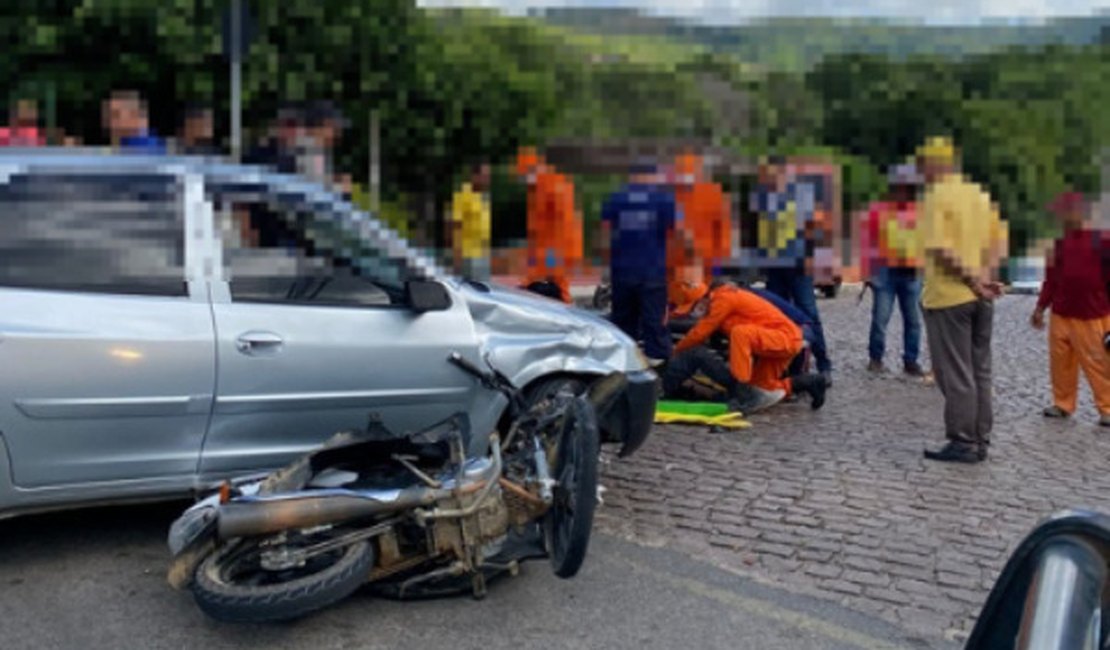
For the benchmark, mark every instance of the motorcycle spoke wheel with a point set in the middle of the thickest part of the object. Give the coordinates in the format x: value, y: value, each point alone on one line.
x: 569, y: 521
x: 232, y: 585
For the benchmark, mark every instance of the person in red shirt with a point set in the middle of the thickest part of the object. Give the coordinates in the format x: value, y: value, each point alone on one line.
x: 890, y: 260
x: 762, y: 341
x: 1075, y: 289
x: 23, y: 126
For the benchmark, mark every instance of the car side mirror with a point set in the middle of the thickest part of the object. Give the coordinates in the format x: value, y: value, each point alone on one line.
x: 426, y: 295
x: 1053, y: 593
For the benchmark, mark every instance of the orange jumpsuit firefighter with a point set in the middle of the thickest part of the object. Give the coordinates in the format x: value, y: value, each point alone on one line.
x: 761, y: 340
x: 705, y: 212
x: 554, y: 226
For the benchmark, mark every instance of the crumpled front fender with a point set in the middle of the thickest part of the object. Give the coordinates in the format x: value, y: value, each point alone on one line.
x: 527, y: 337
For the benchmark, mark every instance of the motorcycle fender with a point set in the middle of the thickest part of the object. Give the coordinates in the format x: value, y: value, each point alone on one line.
x: 184, y: 565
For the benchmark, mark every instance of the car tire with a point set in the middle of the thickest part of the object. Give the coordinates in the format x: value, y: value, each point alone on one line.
x: 224, y: 599
x: 569, y: 522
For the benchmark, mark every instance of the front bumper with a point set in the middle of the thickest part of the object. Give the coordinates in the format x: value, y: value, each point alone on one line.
x: 629, y: 420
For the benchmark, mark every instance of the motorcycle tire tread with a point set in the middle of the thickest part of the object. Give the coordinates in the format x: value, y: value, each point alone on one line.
x: 569, y: 562
x: 286, y: 601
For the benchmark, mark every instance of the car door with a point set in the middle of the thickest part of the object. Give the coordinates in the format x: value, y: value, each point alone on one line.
x: 107, y: 355
x: 308, y: 345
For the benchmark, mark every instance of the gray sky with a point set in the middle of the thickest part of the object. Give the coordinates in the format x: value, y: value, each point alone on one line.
x: 731, y: 11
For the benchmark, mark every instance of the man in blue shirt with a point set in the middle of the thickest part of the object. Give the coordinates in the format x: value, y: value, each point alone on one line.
x: 128, y: 125
x: 638, y: 222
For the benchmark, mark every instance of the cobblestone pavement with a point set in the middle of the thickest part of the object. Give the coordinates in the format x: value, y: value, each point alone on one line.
x: 840, y: 503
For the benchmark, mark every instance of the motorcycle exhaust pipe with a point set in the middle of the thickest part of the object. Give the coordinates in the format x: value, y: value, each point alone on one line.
x: 251, y: 518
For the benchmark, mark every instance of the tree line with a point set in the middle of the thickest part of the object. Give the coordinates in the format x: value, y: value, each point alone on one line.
x: 453, y: 87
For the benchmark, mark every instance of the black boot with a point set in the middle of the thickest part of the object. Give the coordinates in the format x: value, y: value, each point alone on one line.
x: 813, y: 385
x: 749, y: 399
x: 957, y: 451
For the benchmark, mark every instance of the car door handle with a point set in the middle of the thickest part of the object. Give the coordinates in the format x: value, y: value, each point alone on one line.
x: 258, y: 342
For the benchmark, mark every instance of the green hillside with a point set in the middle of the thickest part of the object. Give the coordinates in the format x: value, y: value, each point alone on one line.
x: 799, y: 43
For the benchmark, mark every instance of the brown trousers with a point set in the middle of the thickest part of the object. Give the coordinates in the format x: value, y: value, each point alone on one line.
x: 960, y: 347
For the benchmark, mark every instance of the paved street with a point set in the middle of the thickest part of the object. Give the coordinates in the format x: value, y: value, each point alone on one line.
x: 95, y: 580
x: 809, y: 530
x: 840, y: 503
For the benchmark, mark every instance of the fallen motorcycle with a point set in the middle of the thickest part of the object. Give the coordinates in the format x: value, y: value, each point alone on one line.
x: 410, y: 514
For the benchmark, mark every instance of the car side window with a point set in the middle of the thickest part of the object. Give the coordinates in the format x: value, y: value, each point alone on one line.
x: 102, y: 233
x: 276, y: 254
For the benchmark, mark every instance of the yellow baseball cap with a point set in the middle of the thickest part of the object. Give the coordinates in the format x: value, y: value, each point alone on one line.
x: 937, y: 149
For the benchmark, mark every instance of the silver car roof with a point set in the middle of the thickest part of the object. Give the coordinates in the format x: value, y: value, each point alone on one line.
x: 17, y: 160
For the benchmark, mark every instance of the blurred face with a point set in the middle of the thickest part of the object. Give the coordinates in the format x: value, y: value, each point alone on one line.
x: 198, y: 128
x: 327, y: 134
x: 766, y: 175
x: 124, y: 116
x: 287, y: 132
x: 1072, y: 219
x: 25, y: 114
x: 934, y: 170
x: 480, y: 178
x: 773, y: 175
x: 531, y: 174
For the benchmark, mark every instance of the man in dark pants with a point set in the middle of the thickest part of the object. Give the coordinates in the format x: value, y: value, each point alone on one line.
x: 782, y: 201
x: 680, y: 374
x: 964, y: 241
x: 637, y: 222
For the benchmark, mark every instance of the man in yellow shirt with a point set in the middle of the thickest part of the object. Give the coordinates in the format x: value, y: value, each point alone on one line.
x: 964, y: 241
x: 470, y: 226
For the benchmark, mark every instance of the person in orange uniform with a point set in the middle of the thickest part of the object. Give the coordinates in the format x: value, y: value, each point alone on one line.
x: 554, y: 227
x: 762, y: 343
x: 705, y: 213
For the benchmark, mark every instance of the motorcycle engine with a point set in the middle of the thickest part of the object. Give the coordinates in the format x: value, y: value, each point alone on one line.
x: 484, y: 530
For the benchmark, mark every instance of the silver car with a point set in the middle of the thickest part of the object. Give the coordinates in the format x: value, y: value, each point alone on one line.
x: 166, y: 323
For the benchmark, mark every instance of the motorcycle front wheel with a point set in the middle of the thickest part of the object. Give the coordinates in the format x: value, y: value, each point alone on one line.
x: 232, y: 585
x: 568, y: 523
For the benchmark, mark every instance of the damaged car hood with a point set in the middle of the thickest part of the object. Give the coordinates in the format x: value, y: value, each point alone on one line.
x: 526, y: 336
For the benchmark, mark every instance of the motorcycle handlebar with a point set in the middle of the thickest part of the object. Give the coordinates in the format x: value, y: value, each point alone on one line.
x: 490, y: 379
x: 470, y: 368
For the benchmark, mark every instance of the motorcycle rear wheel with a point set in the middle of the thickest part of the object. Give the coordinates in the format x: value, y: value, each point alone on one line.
x: 231, y: 585
x: 569, y: 522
